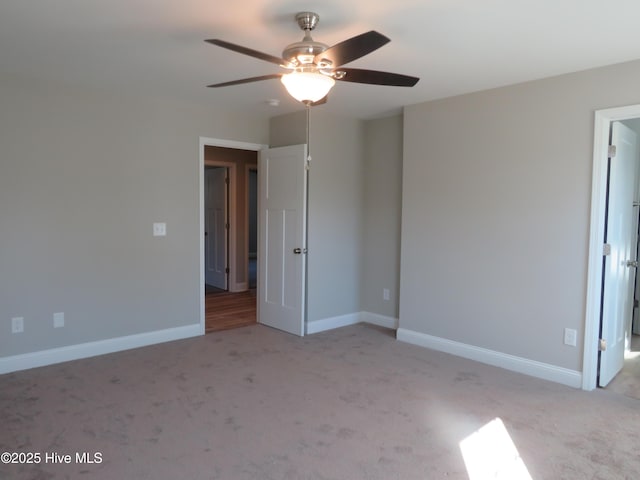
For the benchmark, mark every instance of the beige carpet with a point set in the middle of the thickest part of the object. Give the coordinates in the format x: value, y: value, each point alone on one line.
x: 348, y: 404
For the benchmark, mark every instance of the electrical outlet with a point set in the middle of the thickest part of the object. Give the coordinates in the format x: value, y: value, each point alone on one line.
x: 570, y: 337
x: 58, y: 320
x: 385, y: 294
x: 17, y: 325
x: 159, y: 229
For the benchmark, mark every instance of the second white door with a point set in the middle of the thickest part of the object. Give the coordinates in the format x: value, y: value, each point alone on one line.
x: 216, y: 227
x: 282, y: 209
x: 621, y: 240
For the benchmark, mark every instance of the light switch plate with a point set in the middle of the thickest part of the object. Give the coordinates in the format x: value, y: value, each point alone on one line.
x: 58, y: 320
x: 17, y: 325
x: 570, y: 337
x: 159, y: 229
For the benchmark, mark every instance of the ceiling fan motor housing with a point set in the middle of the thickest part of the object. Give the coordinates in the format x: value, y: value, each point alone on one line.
x: 304, y: 52
x: 300, y: 53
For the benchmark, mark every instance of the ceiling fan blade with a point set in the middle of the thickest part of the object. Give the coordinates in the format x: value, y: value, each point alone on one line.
x: 375, y: 77
x: 246, y: 51
x: 246, y: 80
x: 353, y: 48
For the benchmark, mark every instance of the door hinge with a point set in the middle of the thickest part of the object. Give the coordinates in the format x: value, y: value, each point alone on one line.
x: 226, y: 270
x: 612, y: 151
x: 602, y: 345
x: 226, y: 180
x: 226, y: 225
x: 606, y: 249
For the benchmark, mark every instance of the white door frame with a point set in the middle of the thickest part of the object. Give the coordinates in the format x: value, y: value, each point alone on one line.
x: 603, y: 120
x: 217, y: 142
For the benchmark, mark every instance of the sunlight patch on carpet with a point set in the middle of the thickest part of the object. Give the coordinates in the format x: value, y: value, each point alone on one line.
x: 489, y: 453
x: 631, y: 355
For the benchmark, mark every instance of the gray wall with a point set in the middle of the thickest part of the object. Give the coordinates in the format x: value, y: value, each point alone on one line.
x: 335, y: 208
x: 83, y: 176
x: 382, y: 213
x: 496, y: 207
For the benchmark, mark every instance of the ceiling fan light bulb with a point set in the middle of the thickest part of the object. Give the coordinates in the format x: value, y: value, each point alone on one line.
x: 307, y: 86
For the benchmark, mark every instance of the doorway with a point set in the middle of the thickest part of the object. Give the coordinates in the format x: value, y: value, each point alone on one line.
x: 225, y: 232
x: 597, y: 324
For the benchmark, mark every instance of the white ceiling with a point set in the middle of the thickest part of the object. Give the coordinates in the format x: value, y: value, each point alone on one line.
x: 157, y: 47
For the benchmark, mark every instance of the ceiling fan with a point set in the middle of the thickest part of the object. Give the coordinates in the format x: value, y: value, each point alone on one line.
x: 313, y: 67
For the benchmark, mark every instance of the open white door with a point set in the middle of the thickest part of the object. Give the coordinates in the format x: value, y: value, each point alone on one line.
x: 282, y: 210
x: 215, y: 227
x: 620, y: 263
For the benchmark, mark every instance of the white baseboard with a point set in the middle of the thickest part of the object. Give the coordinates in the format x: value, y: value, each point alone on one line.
x: 330, y: 323
x: 92, y: 349
x: 534, y: 368
x: 239, y: 287
x: 380, y: 320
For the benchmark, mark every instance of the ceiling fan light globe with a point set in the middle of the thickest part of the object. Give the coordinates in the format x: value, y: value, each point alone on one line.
x: 307, y: 86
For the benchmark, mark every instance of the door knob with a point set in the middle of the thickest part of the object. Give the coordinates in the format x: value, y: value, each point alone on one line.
x: 298, y: 251
x: 632, y: 263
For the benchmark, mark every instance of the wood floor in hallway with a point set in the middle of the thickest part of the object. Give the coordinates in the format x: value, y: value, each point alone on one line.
x: 226, y: 310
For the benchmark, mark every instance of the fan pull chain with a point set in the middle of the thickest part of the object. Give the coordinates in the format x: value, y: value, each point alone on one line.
x: 308, y: 142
